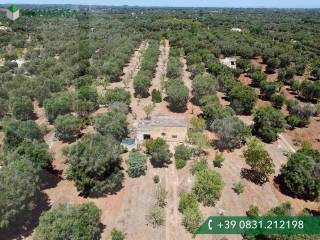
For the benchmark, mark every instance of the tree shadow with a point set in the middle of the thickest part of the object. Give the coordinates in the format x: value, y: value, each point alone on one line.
x: 26, y: 222
x: 49, y: 178
x: 253, y: 176
x: 101, y: 229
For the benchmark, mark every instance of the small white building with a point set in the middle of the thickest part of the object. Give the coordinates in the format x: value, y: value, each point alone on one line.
x: 170, y: 128
x: 229, y: 62
x: 236, y: 29
x: 13, y: 12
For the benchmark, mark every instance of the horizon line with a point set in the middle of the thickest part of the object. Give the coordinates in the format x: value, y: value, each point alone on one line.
x: 158, y: 6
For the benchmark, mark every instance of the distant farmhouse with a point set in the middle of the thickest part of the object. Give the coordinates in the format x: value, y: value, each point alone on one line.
x: 170, y: 128
x: 13, y: 12
x: 229, y: 62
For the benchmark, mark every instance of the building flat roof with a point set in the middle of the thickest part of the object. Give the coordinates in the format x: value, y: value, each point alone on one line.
x: 163, y: 121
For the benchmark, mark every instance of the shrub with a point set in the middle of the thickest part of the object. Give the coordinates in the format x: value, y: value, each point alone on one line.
x: 267, y: 89
x: 161, y: 195
x: 156, y: 179
x: 4, y: 107
x: 94, y: 165
x: 159, y: 151
x: 22, y: 108
x: 268, y: 123
x: 238, y: 188
x: 180, y: 163
x: 243, y: 99
x: 187, y: 200
x: 156, y: 216
x: 113, y: 123
x: 204, y: 85
x: 121, y: 107
x: 19, y: 188
x: 192, y: 218
x: 284, y: 209
x: 59, y: 104
x: 178, y: 95
x: 182, y: 152
x: 199, y: 166
x: 67, y: 127
x: 298, y: 176
x: 156, y: 96
x: 253, y: 211
x: 218, y: 159
x: 141, y: 84
x: 258, y: 158
x: 300, y: 116
x: 277, y: 100
x: 231, y: 132
x: 137, y: 164
x: 208, y: 186
x: 67, y: 221
x: 117, y: 234
x: 116, y: 95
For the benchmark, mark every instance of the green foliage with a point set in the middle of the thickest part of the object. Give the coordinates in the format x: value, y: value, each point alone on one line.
x: 231, y: 132
x: 67, y: 127
x: 19, y: 187
x: 253, y: 211
x: 155, y: 216
x: 182, y: 152
x: 117, y: 234
x: 286, y: 74
x: 15, y: 132
x: 113, y: 123
x: 159, y: 151
x: 258, y: 158
x: 192, y: 218
x: 203, y: 86
x: 208, y: 186
x: 119, y: 107
x: 86, y: 100
x: 178, y: 95
x: 284, y: 209
x: 141, y: 84
x: 277, y: 100
x: 187, y: 200
x: 174, y: 67
x: 65, y: 221
x: 198, y: 166
x: 269, y: 88
x: 243, y: 99
x: 218, y: 159
x: 156, y: 96
x: 298, y: 176
x: 4, y: 107
x: 37, y: 152
x: 156, y: 179
x: 136, y: 164
x: 299, y: 116
x: 268, y: 123
x: 116, y: 95
x: 180, y: 163
x: 59, y: 104
x: 258, y: 77
x: 238, y: 188
x: 310, y: 90
x: 21, y: 107
x: 94, y: 165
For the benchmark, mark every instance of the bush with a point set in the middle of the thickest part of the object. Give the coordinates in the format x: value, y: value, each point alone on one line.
x: 156, y: 179
x: 192, y: 219
x: 116, y: 95
x: 267, y: 89
x: 277, y: 100
x: 121, y: 107
x: 15, y: 132
x: 19, y: 187
x: 284, y: 209
x: 258, y: 77
x: 199, y: 166
x: 258, y: 158
x: 69, y: 222
x: 238, y: 188
x: 187, y: 200
x: 268, y: 123
x: 178, y: 95
x: 117, y: 234
x: 182, y: 152
x: 298, y: 176
x: 231, y: 132
x: 253, y: 211
x: 208, y: 186
x: 4, y: 107
x: 159, y: 151
x: 180, y: 163
x: 141, y: 84
x: 59, y: 104
x: 218, y: 159
x: 243, y: 99
x: 156, y: 216
x: 161, y: 195
x: 67, y: 127
x: 22, y: 108
x: 94, y: 165
x: 156, y: 96
x: 137, y: 164
x: 204, y: 85
x: 113, y: 123
x: 300, y: 116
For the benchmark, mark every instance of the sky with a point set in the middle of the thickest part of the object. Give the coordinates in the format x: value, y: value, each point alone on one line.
x: 184, y: 3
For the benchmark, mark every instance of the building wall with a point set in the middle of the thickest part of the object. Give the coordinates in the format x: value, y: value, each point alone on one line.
x: 170, y: 134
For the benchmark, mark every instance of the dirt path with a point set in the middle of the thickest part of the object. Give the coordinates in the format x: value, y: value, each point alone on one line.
x: 186, y: 76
